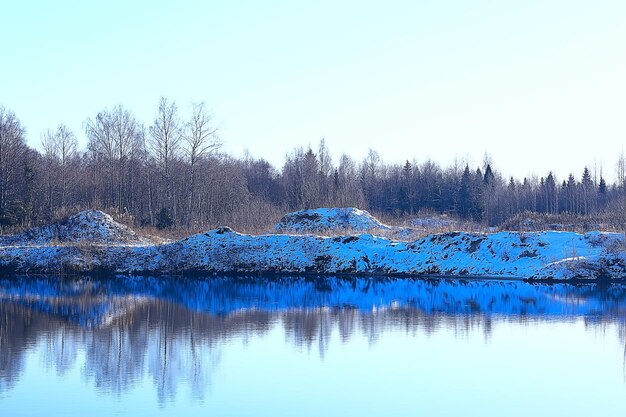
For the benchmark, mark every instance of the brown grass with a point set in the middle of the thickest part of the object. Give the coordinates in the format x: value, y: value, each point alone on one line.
x: 400, y: 231
x: 531, y: 221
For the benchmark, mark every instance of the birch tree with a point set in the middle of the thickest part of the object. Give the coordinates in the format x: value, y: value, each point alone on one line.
x: 200, y: 139
x: 114, y: 141
x: 12, y: 143
x: 165, y: 141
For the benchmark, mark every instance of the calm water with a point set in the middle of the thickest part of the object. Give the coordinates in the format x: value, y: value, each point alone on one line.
x: 310, y: 347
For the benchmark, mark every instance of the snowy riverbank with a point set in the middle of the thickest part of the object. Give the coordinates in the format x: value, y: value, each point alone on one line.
x: 110, y: 247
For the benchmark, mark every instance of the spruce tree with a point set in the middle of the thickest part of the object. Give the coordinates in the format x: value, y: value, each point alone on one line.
x: 602, y: 193
x: 465, y: 194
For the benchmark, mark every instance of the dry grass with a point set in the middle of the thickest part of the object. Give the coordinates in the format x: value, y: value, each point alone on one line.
x: 531, y: 221
x: 400, y: 229
x: 262, y: 218
x: 159, y: 236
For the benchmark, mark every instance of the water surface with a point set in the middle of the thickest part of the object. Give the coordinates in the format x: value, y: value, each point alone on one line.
x: 309, y: 347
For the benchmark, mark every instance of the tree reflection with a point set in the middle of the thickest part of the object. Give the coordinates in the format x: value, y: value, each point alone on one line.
x: 123, y: 331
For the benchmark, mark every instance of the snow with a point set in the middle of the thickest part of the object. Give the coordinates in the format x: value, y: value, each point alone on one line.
x: 86, y: 226
x: 344, y: 220
x: 98, y: 301
x: 537, y: 255
x: 323, y: 219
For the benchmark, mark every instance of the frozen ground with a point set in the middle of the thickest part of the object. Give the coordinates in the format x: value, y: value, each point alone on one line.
x: 538, y: 255
x: 339, y: 221
x: 91, y: 226
x: 327, y: 219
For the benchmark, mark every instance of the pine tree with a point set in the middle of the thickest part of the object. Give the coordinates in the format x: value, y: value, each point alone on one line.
x: 164, y: 219
x: 602, y: 193
x: 465, y: 194
x: 587, y: 191
x: 551, y: 196
x: 489, y: 177
x: 405, y: 192
x: 478, y: 204
x: 571, y: 194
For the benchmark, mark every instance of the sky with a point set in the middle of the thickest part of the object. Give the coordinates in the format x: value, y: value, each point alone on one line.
x: 537, y: 85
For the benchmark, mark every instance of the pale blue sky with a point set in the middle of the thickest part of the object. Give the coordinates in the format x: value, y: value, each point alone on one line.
x: 538, y: 84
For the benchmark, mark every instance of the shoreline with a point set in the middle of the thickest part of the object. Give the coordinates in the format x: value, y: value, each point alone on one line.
x: 201, y: 275
x: 92, y: 243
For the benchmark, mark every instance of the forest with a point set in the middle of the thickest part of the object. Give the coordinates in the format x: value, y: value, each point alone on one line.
x: 171, y: 173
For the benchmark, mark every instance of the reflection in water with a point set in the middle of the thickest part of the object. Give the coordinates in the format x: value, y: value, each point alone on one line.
x: 167, y: 342
x: 173, y: 330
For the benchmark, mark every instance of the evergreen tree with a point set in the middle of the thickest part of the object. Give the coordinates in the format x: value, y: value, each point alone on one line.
x: 602, y: 193
x: 405, y: 191
x: 587, y: 189
x: 551, y: 195
x: 478, y: 194
x: 164, y: 219
x: 571, y: 194
x: 563, y: 198
x: 465, y: 196
x: 488, y: 179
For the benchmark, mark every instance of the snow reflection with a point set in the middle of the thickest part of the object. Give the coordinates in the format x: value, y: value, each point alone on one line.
x: 125, y: 331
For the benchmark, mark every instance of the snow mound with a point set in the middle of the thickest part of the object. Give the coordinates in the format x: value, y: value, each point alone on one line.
x: 92, y: 226
x: 533, y: 255
x: 322, y: 219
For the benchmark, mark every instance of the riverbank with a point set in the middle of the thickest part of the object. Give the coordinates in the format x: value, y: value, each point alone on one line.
x: 91, y: 242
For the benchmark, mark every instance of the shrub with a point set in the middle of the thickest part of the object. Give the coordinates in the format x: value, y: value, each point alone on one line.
x: 164, y: 219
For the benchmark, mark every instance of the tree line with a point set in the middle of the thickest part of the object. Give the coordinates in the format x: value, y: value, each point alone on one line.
x: 171, y: 172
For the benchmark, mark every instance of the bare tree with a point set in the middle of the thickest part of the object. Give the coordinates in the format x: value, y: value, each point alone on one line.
x: 201, y: 139
x: 66, y: 144
x: 348, y: 190
x: 325, y: 171
x: 48, y: 142
x: 115, y: 139
x: 620, y: 169
x: 12, y: 143
x: 165, y: 141
x: 621, y: 186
